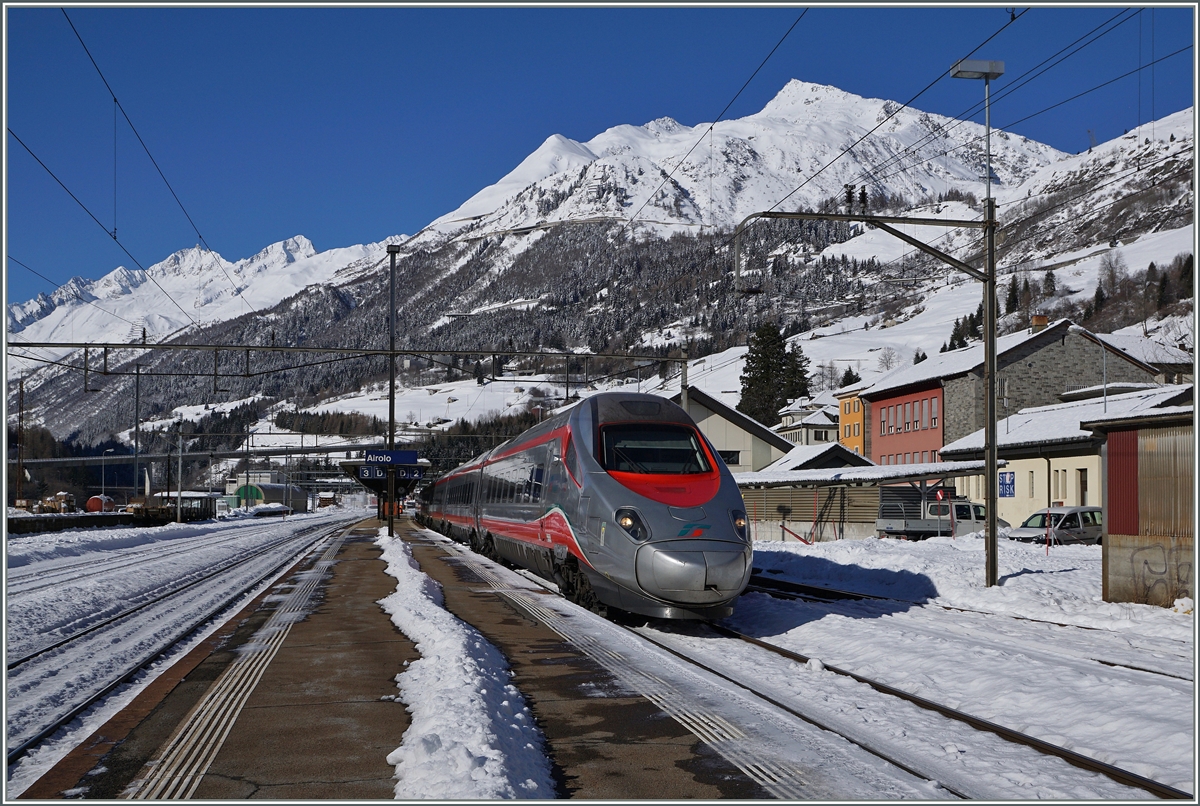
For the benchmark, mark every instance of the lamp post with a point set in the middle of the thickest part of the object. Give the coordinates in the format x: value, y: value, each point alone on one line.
x: 110, y: 450
x: 1079, y: 330
x: 987, y: 70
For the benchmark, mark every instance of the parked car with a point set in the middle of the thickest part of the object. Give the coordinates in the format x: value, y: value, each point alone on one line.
x: 1064, y: 524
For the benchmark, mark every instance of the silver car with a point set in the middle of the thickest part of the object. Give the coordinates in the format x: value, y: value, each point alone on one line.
x: 1062, y: 525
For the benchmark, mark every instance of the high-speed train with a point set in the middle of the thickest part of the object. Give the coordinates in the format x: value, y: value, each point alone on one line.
x: 620, y: 500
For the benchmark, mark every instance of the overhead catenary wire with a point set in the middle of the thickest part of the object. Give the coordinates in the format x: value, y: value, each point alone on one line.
x: 93, y: 217
x: 153, y: 161
x: 1043, y: 110
x: 1015, y: 84
x: 888, y: 117
x: 683, y: 159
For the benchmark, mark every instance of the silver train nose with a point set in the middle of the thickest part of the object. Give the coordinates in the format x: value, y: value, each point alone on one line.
x: 693, y: 571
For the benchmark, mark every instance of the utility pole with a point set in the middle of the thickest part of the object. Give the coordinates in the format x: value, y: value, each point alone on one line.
x: 392, y: 249
x: 179, y: 496
x: 683, y: 385
x: 137, y: 424
x: 20, y: 437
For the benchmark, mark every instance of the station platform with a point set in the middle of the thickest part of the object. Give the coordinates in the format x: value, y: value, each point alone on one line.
x: 324, y: 712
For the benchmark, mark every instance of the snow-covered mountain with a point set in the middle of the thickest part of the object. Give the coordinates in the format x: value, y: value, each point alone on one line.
x: 747, y: 165
x: 582, y: 287
x: 192, y: 287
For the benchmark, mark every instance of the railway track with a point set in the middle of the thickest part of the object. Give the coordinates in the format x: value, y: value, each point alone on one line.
x: 156, y: 597
x: 49, y: 688
x: 941, y: 762
x: 30, y: 580
x: 1046, y: 748
x: 1173, y: 660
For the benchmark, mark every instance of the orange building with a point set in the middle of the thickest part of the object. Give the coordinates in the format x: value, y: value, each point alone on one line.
x: 852, y: 432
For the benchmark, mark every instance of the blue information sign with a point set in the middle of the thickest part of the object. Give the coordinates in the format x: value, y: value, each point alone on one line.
x: 1008, y: 485
x: 380, y: 472
x: 390, y: 457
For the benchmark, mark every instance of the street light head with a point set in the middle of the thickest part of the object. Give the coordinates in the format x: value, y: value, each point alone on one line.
x: 976, y: 68
x: 393, y: 249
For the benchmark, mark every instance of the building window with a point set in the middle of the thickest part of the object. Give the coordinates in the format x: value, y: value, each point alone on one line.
x: 856, y: 404
x: 730, y: 457
x: 856, y: 429
x: 1031, y: 484
x: 908, y: 416
x: 846, y: 406
x: 1083, y: 490
x: 924, y: 456
x: 933, y: 419
x: 882, y: 422
x: 907, y: 458
x: 847, y: 427
x: 924, y: 413
x: 892, y: 419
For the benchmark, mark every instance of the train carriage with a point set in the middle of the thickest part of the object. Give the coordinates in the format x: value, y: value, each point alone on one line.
x: 620, y: 500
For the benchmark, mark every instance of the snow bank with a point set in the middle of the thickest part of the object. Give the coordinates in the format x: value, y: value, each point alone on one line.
x: 471, y: 736
x: 1064, y: 586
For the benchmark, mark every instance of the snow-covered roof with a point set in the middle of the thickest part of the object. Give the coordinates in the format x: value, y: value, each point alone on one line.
x: 1166, y: 413
x: 870, y: 474
x: 1041, y: 425
x: 823, y: 418
x: 1146, y: 349
x: 953, y: 362
x: 964, y: 359
x: 802, y: 455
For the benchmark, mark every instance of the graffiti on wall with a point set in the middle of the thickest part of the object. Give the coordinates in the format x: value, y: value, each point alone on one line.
x: 1161, y: 575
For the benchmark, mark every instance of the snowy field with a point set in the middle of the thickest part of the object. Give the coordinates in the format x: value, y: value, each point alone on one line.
x: 1023, y: 653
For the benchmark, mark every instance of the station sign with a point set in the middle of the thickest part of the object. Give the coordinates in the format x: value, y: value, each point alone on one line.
x: 390, y: 457
x: 378, y: 472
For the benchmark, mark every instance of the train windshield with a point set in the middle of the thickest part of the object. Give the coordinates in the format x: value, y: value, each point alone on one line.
x: 652, y: 448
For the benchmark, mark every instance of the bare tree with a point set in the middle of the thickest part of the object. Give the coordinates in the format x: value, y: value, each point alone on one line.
x: 888, y: 359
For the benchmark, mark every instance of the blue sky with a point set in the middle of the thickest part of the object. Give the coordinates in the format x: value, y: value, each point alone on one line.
x: 349, y: 125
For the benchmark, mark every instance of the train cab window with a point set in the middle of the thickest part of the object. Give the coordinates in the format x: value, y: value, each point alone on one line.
x: 652, y: 448
x: 571, y: 460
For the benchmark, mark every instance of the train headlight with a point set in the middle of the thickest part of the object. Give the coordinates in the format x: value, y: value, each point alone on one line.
x: 631, y: 522
x: 740, y: 523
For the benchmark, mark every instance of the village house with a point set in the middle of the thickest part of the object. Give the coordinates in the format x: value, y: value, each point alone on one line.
x: 911, y: 412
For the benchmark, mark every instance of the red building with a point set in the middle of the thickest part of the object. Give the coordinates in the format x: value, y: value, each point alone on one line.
x: 907, y: 427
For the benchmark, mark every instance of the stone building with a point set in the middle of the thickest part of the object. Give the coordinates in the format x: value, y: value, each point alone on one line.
x: 913, y: 411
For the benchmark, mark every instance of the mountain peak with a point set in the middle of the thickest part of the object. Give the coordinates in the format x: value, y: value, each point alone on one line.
x: 663, y: 125
x: 797, y: 94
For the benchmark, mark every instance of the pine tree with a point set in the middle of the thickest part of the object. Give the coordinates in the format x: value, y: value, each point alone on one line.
x: 849, y: 377
x: 1014, y: 299
x: 919, y: 356
x: 1048, y: 284
x: 764, y: 375
x: 795, y: 375
x: 1164, y: 293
